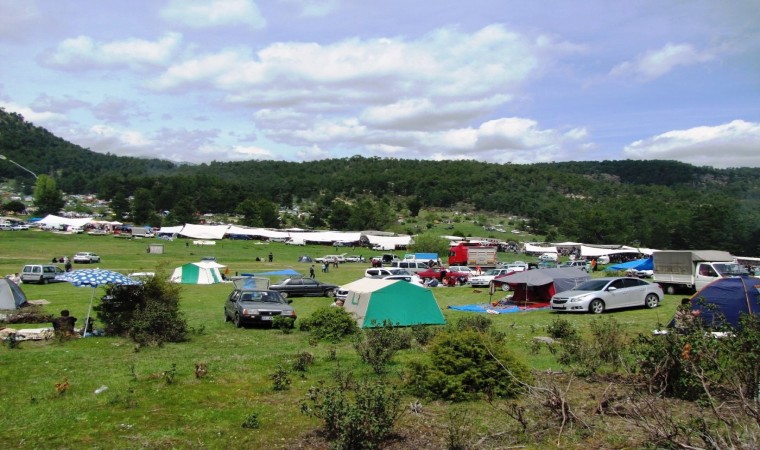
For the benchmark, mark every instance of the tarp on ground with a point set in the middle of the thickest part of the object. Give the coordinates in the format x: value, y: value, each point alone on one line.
x: 725, y: 299
x: 283, y: 272
x: 204, y: 231
x: 11, y: 295
x: 542, y: 284
x: 204, y: 272
x: 637, y: 264
x: 374, y: 301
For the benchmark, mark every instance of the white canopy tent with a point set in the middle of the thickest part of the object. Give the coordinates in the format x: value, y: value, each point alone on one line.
x: 204, y: 231
x: 54, y: 221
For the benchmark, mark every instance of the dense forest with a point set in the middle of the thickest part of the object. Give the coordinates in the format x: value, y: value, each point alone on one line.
x: 658, y: 204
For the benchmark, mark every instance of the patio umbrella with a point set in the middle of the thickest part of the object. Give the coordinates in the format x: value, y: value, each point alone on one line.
x: 94, y: 278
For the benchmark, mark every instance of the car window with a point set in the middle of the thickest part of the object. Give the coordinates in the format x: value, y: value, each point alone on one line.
x: 309, y: 282
x: 618, y: 284
x: 592, y: 285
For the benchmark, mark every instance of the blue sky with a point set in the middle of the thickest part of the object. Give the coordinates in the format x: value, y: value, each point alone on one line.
x: 297, y: 80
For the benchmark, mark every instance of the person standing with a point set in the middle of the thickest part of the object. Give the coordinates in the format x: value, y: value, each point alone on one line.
x: 67, y: 263
x: 311, y: 271
x: 271, y: 257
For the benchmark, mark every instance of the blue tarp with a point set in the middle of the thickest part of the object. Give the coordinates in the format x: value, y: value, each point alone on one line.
x: 283, y: 272
x: 638, y: 264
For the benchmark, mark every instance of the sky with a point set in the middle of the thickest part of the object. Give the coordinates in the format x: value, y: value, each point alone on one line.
x: 501, y: 81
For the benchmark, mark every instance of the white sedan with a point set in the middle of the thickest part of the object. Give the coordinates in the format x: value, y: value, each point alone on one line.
x: 601, y: 294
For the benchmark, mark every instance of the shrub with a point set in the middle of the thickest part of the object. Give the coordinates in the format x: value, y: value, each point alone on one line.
x: 302, y: 361
x: 376, y: 346
x: 148, y: 313
x: 423, y: 334
x: 561, y: 329
x: 280, y: 379
x: 466, y: 365
x: 329, y: 324
x: 252, y: 421
x: 283, y: 323
x: 476, y: 323
x: 359, y: 420
x: 607, y: 346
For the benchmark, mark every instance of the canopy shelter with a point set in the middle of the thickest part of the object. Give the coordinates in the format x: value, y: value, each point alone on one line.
x: 539, y: 285
x: 637, y: 264
x: 375, y: 301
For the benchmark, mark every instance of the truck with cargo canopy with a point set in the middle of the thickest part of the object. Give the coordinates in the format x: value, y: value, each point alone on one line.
x: 691, y: 270
x: 477, y: 255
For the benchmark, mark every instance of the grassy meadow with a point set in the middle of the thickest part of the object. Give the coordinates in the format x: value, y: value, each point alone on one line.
x: 154, y: 400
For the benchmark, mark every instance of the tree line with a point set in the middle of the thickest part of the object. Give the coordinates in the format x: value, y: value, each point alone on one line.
x: 658, y: 204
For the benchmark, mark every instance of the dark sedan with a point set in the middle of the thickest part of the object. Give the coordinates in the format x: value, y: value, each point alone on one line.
x: 256, y: 307
x: 304, y: 287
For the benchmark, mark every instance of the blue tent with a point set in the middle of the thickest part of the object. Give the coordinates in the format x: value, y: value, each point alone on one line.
x: 723, y: 300
x: 283, y: 272
x: 638, y: 264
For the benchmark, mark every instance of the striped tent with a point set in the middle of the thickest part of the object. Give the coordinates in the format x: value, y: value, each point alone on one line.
x: 374, y: 301
x: 204, y: 272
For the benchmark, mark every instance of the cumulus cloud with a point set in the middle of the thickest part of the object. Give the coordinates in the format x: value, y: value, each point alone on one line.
x: 734, y: 144
x: 84, y: 52
x: 214, y: 13
x: 656, y: 63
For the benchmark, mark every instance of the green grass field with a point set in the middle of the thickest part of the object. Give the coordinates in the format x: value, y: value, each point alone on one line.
x: 142, y: 409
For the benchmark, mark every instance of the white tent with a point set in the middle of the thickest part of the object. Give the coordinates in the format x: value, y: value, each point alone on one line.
x: 11, y: 295
x: 52, y: 220
x: 204, y: 231
x: 390, y: 242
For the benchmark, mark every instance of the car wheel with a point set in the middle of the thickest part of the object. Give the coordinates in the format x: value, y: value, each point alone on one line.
x: 596, y: 306
x: 330, y: 293
x: 238, y: 323
x: 284, y: 294
x: 44, y: 280
x: 226, y: 316
x: 670, y: 289
x: 651, y: 301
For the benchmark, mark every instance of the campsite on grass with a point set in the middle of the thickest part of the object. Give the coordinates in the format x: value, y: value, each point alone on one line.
x: 223, y: 384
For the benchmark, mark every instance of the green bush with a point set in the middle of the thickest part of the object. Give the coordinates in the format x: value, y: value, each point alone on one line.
x: 376, y: 346
x: 283, y: 323
x: 355, y: 420
x: 423, y: 334
x: 467, y: 365
x: 476, y: 323
x: 607, y: 346
x: 148, y: 313
x: 561, y: 329
x: 329, y: 324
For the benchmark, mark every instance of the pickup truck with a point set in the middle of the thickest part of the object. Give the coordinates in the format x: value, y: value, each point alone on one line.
x: 691, y: 270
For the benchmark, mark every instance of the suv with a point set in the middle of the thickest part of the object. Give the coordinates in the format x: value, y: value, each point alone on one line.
x: 381, y: 272
x: 85, y: 258
x: 411, y: 266
x: 253, y: 303
x: 40, y: 273
x: 579, y: 263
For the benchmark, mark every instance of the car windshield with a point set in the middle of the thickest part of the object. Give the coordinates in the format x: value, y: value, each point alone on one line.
x: 592, y: 285
x: 492, y: 272
x: 727, y: 270
x: 263, y: 297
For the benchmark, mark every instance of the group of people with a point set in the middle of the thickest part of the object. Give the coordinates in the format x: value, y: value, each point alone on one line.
x: 65, y: 260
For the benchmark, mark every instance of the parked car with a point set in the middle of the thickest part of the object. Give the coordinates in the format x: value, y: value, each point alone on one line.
x: 40, y: 273
x: 246, y: 306
x: 578, y: 263
x: 304, y: 287
x: 330, y: 259
x: 379, y: 272
x: 471, y: 272
x: 452, y: 278
x: 488, y: 276
x: 85, y: 258
x: 515, y: 266
x: 354, y: 258
x: 601, y: 294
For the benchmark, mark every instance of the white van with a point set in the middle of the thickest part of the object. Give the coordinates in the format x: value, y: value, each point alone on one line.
x: 410, y: 266
x: 40, y: 273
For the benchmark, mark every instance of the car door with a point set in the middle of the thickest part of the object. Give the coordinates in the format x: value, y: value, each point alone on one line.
x: 231, y: 304
x: 310, y: 287
x: 629, y: 292
x: 615, y: 298
x: 636, y: 290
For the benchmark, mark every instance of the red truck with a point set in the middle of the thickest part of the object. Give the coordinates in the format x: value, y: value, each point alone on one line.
x: 472, y: 255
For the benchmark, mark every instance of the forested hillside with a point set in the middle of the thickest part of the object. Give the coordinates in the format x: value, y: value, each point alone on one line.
x: 659, y: 204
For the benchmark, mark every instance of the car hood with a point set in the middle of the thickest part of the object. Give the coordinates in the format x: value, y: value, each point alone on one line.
x: 266, y: 305
x: 573, y: 293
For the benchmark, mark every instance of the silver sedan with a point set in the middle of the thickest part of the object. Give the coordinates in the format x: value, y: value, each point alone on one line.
x: 601, y: 294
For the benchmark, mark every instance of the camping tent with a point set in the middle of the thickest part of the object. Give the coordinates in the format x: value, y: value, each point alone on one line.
x: 373, y: 301
x: 204, y: 272
x: 723, y: 300
x: 305, y: 259
x: 540, y: 284
x: 11, y: 295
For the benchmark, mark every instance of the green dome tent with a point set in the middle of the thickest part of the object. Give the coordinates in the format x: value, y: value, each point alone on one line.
x: 373, y: 301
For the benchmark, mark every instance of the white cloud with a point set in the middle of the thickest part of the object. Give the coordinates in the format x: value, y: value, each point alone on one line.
x: 314, y: 8
x: 39, y: 118
x: 214, y: 13
x: 656, y: 63
x: 83, y: 51
x: 734, y: 144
